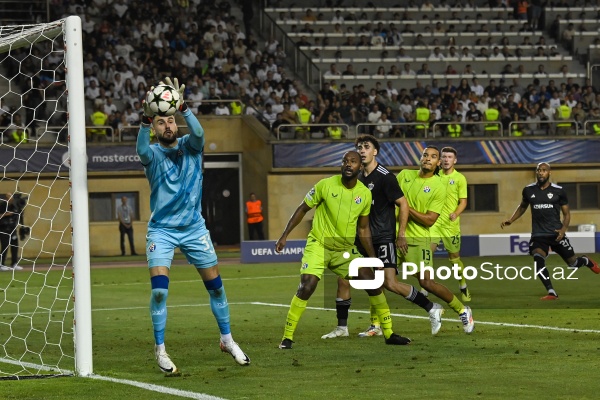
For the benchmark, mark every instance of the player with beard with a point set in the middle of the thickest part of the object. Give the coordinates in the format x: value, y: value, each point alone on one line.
x: 547, y: 201
x: 386, y: 195
x: 342, y: 209
x: 173, y: 167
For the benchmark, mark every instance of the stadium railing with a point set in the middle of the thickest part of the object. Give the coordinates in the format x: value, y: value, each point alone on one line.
x: 549, y: 130
x: 481, y: 133
x: 588, y: 127
x: 318, y: 134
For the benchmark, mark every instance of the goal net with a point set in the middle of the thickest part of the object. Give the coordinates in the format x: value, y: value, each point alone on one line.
x: 45, y: 302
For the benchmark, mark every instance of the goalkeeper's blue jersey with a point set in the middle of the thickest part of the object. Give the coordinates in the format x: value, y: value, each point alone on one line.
x: 175, y: 176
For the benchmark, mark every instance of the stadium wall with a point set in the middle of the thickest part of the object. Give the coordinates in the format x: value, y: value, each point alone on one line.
x: 50, y: 233
x: 287, y: 189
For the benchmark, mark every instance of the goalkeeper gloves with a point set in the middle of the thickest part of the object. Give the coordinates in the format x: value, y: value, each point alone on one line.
x: 181, y: 89
x: 148, y: 115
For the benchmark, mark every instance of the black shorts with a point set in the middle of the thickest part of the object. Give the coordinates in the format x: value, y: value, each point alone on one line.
x: 385, y: 251
x: 563, y: 247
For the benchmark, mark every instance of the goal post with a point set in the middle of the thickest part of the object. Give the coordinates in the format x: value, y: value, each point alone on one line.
x: 45, y: 294
x: 79, y: 196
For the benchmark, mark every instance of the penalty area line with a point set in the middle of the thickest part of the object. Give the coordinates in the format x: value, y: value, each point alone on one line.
x: 542, y: 327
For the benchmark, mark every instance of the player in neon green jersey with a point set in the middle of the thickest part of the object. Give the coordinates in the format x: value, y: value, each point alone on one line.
x: 426, y: 193
x: 447, y: 226
x: 342, y: 207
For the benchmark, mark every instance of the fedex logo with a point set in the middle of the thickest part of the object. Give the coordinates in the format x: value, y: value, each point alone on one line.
x: 518, y: 245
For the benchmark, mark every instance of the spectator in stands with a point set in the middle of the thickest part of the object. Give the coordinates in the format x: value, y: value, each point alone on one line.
x: 496, y: 54
x: 349, y: 71
x: 424, y: 70
x: 473, y: 115
x: 98, y: 118
x: 466, y: 54
x: 492, y: 116
x: 332, y: 73
x: 562, y: 114
x: 567, y: 36
x: 548, y: 116
x: 436, y: 55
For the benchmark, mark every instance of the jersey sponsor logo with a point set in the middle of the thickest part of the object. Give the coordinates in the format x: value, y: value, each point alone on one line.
x: 371, y: 185
x: 406, y: 180
x: 357, y: 200
x: 304, y: 265
x: 550, y: 195
x: 451, y: 181
x: 427, y: 189
x: 152, y: 247
x: 310, y: 194
x: 533, y: 196
x: 540, y: 206
x: 334, y: 195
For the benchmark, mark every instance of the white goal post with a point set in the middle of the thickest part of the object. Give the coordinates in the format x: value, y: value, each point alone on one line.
x: 45, y: 293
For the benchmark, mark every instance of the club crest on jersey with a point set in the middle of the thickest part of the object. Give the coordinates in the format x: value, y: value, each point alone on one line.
x: 451, y: 181
x: 371, y: 185
x: 358, y: 200
x: 427, y: 189
x: 152, y: 247
x: 550, y: 195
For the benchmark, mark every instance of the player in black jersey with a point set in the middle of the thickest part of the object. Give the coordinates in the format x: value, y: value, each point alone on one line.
x: 386, y: 194
x: 547, y: 201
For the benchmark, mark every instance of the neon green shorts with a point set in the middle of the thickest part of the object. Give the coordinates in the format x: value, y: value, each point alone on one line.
x: 418, y: 252
x: 450, y: 236
x: 316, y: 258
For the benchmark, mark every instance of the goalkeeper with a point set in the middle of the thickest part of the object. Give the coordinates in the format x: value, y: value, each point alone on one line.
x: 173, y: 167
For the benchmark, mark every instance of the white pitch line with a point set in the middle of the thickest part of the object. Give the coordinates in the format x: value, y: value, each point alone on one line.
x: 158, y: 388
x: 141, y: 385
x: 544, y: 327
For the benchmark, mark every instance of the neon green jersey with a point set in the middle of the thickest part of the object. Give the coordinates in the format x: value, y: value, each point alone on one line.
x: 337, y: 212
x: 456, y: 189
x: 423, y: 195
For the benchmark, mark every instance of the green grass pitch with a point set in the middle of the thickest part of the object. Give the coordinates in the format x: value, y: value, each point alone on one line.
x: 522, y: 348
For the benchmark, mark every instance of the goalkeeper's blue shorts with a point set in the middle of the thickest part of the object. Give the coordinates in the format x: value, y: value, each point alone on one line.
x: 194, y: 241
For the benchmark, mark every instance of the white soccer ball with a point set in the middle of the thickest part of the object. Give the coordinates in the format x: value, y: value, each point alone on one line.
x: 163, y: 100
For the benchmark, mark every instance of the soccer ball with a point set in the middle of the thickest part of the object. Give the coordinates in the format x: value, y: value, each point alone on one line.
x: 163, y: 100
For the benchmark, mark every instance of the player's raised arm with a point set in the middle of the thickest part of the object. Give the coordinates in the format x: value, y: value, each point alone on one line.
x: 142, y: 145
x: 196, y: 130
x: 294, y: 220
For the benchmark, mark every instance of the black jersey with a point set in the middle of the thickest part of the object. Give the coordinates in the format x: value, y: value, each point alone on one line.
x: 545, y: 208
x: 385, y: 190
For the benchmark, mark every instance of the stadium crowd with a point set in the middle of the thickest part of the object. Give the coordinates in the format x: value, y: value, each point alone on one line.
x: 229, y: 70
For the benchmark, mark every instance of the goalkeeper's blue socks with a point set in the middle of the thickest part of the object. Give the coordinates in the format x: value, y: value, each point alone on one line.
x: 218, y: 304
x: 158, y: 306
